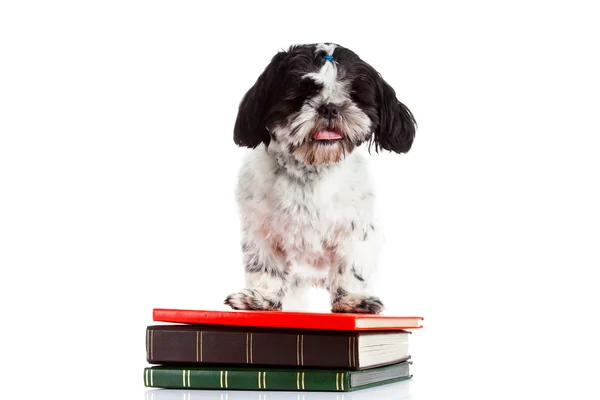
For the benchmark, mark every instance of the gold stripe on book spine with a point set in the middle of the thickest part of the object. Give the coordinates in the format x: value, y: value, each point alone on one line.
x: 183, y: 377
x: 264, y: 380
x: 303, y: 381
x: 189, y: 371
x: 151, y: 377
x: 146, y: 380
x: 298, y: 380
x: 337, y: 386
x: 226, y: 379
x: 259, y: 380
x: 354, y: 340
x: 302, y: 349
x: 350, y: 351
x: 151, y: 344
x: 221, y: 380
x: 342, y: 381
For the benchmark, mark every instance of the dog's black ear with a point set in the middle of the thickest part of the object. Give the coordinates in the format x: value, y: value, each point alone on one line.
x: 251, y: 123
x: 397, y: 125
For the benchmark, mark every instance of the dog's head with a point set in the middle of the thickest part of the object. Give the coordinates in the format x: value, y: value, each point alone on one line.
x: 317, y: 102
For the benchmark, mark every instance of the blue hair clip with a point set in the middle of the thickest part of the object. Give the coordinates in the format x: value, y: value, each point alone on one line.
x: 328, y: 58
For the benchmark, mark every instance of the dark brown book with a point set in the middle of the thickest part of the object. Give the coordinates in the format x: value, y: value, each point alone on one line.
x: 231, y: 345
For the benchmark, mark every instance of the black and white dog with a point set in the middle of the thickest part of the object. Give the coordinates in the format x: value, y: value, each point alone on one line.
x: 305, y: 196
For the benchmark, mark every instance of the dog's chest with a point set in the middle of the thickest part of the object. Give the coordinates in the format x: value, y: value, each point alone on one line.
x: 304, y: 221
x: 308, y: 221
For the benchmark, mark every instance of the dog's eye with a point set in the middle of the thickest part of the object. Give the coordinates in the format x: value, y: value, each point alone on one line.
x: 303, y: 90
x: 309, y: 88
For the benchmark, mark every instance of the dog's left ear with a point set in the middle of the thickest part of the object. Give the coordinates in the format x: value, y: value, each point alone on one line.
x: 251, y: 123
x: 397, y: 125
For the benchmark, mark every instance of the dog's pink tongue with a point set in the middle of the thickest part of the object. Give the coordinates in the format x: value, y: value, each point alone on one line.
x: 327, y: 135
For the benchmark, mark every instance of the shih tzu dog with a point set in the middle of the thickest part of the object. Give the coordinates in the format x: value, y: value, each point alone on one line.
x: 304, y: 194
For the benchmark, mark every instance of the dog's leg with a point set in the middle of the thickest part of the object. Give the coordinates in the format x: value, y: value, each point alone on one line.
x: 266, y: 280
x: 349, y: 275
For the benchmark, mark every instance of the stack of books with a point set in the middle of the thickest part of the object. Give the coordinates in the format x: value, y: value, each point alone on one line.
x: 276, y: 350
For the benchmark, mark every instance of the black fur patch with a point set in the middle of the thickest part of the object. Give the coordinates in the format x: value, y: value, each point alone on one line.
x: 253, y: 266
x: 245, y: 247
x: 275, y: 272
x: 357, y: 275
x: 339, y: 293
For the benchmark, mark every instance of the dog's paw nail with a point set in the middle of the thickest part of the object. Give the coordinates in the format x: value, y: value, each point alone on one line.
x: 371, y: 305
x: 238, y: 301
x: 353, y: 303
x: 249, y: 299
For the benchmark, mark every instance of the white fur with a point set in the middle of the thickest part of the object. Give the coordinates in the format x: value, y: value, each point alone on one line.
x: 327, y: 76
x: 323, y: 225
x: 327, y: 48
x: 334, y: 91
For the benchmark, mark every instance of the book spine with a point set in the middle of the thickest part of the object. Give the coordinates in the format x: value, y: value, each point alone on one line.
x: 295, y: 380
x: 204, y: 346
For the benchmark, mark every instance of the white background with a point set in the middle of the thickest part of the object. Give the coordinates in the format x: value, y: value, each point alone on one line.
x: 117, y: 168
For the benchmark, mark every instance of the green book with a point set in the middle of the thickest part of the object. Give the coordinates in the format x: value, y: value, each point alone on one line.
x: 397, y: 390
x: 244, y: 378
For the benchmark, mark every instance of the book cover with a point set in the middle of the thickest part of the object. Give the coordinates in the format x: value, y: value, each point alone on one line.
x: 231, y: 345
x: 288, y: 319
x: 289, y: 379
x: 396, y: 390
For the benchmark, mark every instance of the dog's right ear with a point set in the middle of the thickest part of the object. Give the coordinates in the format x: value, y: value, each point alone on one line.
x: 251, y: 123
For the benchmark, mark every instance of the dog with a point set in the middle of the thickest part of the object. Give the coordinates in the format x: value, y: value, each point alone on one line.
x: 304, y: 195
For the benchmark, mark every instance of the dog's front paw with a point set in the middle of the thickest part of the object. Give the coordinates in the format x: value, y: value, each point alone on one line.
x: 251, y: 299
x: 357, y: 303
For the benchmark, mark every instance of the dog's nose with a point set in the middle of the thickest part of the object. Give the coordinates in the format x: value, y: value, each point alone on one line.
x: 329, y: 111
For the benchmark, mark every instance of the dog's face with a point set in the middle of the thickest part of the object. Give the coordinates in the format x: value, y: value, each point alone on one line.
x: 316, y: 103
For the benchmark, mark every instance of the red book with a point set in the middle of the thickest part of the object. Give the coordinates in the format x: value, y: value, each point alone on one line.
x: 288, y: 319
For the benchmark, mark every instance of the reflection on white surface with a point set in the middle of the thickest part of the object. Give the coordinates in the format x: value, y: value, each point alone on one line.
x: 398, y: 390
